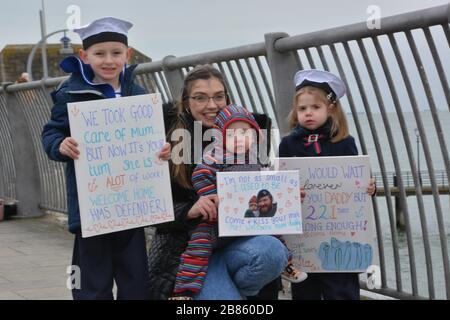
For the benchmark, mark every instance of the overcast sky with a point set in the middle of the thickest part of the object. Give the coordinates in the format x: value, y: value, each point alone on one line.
x: 169, y: 27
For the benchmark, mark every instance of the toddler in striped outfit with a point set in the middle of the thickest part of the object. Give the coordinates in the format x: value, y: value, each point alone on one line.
x: 236, y: 134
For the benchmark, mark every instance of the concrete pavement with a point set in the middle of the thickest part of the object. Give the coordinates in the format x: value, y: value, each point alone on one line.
x: 34, y: 256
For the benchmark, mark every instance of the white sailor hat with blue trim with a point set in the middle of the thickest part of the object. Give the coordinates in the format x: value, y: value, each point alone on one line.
x: 330, y: 83
x: 104, y: 30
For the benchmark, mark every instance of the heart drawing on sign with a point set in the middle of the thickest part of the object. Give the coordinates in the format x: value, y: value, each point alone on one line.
x: 75, y: 111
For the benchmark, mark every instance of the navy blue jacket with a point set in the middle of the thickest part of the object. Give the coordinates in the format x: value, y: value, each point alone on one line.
x: 77, y: 88
x: 296, y: 144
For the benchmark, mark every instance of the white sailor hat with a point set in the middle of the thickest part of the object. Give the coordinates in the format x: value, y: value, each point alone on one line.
x: 104, y: 30
x: 330, y: 83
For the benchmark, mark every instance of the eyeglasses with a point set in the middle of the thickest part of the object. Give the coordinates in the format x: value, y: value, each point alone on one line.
x: 204, y: 99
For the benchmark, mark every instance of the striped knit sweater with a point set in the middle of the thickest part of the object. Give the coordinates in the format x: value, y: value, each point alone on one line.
x: 194, y: 261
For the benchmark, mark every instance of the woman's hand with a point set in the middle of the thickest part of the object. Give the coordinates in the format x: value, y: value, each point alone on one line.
x: 205, y: 207
x: 372, y: 187
x: 165, y: 152
x: 69, y: 148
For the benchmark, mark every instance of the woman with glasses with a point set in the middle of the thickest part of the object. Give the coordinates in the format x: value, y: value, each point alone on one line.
x: 239, y: 269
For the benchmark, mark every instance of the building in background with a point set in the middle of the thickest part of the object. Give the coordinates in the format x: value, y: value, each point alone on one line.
x: 14, y: 57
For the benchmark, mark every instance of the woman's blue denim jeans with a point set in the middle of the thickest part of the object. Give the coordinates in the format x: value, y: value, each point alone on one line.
x: 243, y: 267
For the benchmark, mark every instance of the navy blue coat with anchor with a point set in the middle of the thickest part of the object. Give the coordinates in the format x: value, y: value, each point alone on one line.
x: 317, y: 143
x: 79, y: 87
x: 305, y: 143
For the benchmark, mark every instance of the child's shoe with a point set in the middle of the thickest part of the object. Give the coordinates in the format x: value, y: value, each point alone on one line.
x: 180, y: 298
x: 184, y: 295
x: 292, y: 274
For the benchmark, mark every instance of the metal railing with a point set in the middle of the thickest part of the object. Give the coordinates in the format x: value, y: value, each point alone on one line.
x: 398, y: 67
x: 408, y: 178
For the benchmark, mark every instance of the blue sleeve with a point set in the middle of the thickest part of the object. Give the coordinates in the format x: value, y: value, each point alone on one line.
x: 351, y: 149
x: 138, y: 90
x: 283, y: 148
x: 57, y: 129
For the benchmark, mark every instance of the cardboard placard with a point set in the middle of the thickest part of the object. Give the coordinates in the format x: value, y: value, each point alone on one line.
x: 338, y: 224
x: 277, y: 210
x: 121, y: 182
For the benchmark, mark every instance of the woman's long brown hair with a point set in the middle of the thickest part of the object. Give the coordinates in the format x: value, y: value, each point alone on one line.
x: 179, y: 172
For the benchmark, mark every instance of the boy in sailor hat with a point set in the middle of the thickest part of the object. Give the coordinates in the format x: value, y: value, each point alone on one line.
x: 100, y: 73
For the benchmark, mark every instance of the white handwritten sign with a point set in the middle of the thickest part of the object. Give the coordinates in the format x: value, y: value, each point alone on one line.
x: 121, y: 182
x: 255, y: 203
x: 338, y: 224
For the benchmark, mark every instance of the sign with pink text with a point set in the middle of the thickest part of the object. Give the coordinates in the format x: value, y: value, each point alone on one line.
x: 338, y: 223
x: 257, y: 203
x: 121, y: 182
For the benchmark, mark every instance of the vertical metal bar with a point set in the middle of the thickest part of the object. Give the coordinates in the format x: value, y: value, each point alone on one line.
x: 44, y: 43
x: 395, y: 158
x: 275, y: 132
x: 298, y: 61
x: 7, y: 154
x: 378, y: 150
x: 152, y: 86
x: 364, y: 151
x: 28, y: 187
x: 236, y: 83
x: 158, y: 83
x: 391, y: 143
x: 25, y: 100
x: 322, y: 58
x: 144, y: 83
x: 266, y: 82
x: 350, y: 99
x: 282, y: 66
x: 49, y: 174
x: 52, y: 172
x: 174, y: 77
x: 227, y: 82
x: 310, y: 59
x: 256, y: 84
x: 166, y: 86
x: 446, y: 32
x: 412, y: 99
x: 438, y: 64
x: 246, y: 86
x: 445, y: 155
